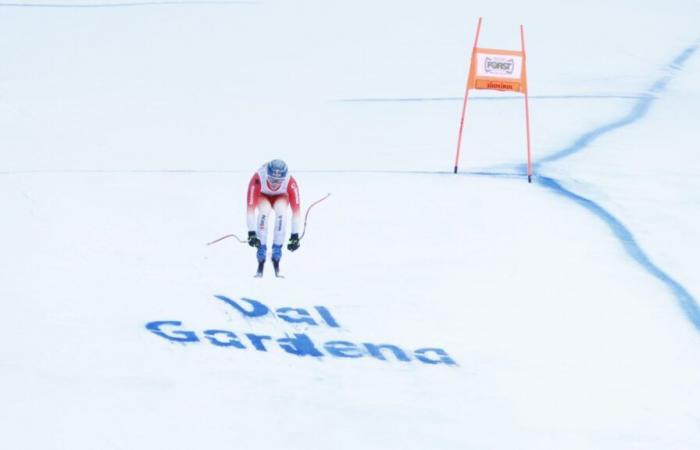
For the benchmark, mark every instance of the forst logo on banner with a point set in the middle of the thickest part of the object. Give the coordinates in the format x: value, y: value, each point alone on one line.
x: 499, y: 65
x: 493, y: 66
x: 295, y: 343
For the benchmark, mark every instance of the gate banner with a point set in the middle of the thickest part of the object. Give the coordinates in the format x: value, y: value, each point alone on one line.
x: 500, y: 70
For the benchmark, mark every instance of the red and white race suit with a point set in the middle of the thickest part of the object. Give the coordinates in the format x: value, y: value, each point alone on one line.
x: 268, y: 197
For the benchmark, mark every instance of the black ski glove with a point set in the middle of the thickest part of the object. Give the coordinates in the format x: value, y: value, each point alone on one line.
x: 293, y: 242
x: 253, y: 240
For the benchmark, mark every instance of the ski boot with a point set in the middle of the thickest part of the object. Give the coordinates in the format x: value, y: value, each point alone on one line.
x: 262, y: 254
x: 276, y: 256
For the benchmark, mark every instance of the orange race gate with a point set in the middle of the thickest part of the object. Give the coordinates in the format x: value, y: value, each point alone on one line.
x: 499, y: 70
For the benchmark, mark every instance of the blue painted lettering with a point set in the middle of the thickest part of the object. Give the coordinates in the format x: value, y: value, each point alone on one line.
x: 303, y: 315
x: 442, y: 357
x: 300, y: 345
x: 257, y: 341
x: 258, y: 309
x: 175, y: 336
x: 327, y: 317
x: 343, y: 349
x: 376, y: 351
x: 231, y: 339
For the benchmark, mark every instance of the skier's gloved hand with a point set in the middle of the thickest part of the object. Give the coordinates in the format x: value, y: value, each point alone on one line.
x: 293, y: 242
x: 253, y: 240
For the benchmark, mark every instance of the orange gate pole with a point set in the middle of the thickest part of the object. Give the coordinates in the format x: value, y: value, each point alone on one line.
x: 527, y: 107
x: 466, y: 96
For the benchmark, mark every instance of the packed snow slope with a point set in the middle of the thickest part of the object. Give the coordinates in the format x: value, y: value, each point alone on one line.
x: 424, y: 309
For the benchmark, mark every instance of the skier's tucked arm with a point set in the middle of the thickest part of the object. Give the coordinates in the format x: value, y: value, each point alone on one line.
x: 295, y: 203
x: 252, y: 202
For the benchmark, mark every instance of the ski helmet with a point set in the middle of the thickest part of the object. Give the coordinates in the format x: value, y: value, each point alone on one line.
x: 277, y: 169
x: 276, y: 173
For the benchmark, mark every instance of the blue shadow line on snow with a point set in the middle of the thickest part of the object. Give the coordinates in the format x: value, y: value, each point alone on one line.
x: 483, y: 173
x: 482, y: 98
x: 221, y: 171
x: 625, y: 236
x: 126, y: 4
x: 639, y: 110
x: 245, y: 171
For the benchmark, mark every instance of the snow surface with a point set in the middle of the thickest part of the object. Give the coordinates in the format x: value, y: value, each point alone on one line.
x: 128, y: 133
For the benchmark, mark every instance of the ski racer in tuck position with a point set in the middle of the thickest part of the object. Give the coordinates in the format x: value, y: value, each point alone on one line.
x: 271, y: 190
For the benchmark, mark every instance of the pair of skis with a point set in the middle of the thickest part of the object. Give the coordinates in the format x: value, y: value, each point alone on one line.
x: 275, y: 265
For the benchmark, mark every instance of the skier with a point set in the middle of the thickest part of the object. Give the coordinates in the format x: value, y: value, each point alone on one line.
x: 272, y: 190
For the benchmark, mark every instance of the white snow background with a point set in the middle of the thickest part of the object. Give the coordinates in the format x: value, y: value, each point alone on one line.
x: 128, y: 133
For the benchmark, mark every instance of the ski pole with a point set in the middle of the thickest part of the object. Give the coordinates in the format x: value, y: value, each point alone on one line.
x: 226, y: 237
x: 308, y: 210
